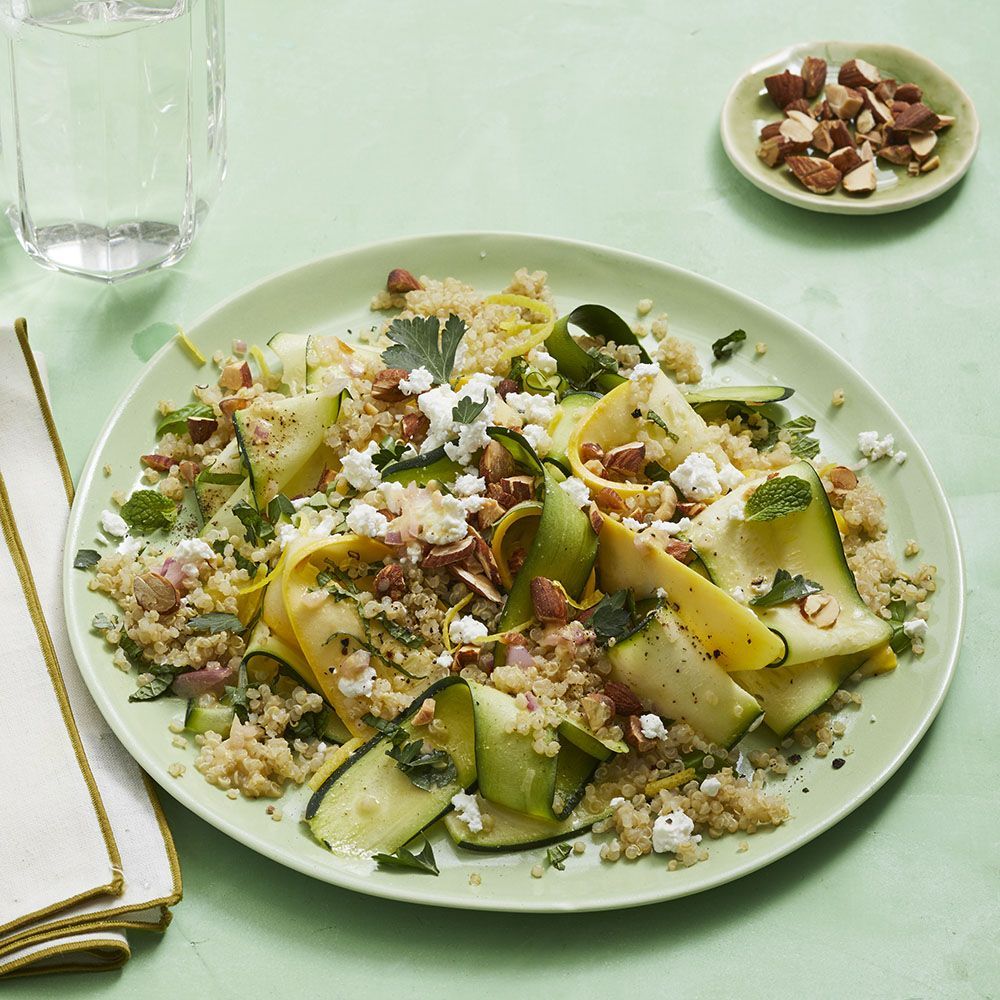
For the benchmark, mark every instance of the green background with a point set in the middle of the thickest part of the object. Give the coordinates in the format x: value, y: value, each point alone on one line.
x: 358, y: 122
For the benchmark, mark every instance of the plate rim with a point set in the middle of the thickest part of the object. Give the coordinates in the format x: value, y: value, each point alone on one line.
x: 815, y: 203
x: 360, y: 882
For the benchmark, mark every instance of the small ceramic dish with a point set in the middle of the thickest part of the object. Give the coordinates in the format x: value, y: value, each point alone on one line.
x: 748, y: 108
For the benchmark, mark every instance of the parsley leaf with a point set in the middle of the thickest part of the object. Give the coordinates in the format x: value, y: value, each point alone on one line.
x: 162, y: 679
x: 427, y: 769
x: 147, y: 511
x: 900, y: 641
x: 466, y: 410
x: 778, y: 497
x: 86, y: 558
x: 785, y: 589
x: 421, y: 343
x: 215, y: 622
x: 612, y: 617
x: 655, y: 418
x: 404, y: 858
x: 390, y: 451
x: 175, y: 422
x: 557, y: 854
x: 724, y: 347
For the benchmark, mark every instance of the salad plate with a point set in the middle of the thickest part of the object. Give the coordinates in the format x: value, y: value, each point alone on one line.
x: 333, y: 296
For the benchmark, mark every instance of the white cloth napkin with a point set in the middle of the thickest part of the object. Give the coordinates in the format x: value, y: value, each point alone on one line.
x: 85, y: 851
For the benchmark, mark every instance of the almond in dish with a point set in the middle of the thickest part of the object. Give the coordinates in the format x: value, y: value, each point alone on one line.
x: 502, y: 569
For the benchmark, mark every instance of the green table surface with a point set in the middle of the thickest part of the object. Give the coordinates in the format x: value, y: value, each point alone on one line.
x: 353, y: 122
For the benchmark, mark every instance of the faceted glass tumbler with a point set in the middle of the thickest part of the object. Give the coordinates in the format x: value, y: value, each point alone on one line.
x: 112, y: 129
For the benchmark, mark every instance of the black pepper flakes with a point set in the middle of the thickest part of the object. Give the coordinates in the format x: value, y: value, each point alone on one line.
x: 795, y: 758
x: 838, y: 763
x: 806, y: 790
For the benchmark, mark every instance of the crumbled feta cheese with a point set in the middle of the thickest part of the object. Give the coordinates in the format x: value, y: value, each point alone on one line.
x: 632, y: 524
x: 759, y: 586
x: 192, y: 550
x: 670, y: 527
x: 697, y: 477
x: 114, y: 524
x: 540, y: 358
x: 467, y: 629
x: 418, y: 381
x: 393, y: 494
x: 616, y: 801
x: 468, y: 485
x: 467, y: 809
x: 444, y: 520
x: 900, y: 457
x: 537, y: 436
x: 673, y: 831
x: 738, y: 511
x: 299, y: 502
x: 652, y: 727
x: 287, y: 533
x: 129, y: 546
x: 577, y: 490
x: 535, y: 408
x: 359, y: 470
x: 710, y: 786
x: 473, y: 504
x: 915, y: 628
x: 365, y: 520
x: 739, y: 594
x: 438, y: 405
x: 643, y: 370
x: 730, y: 477
x: 873, y: 447
x: 358, y: 687
x: 445, y: 660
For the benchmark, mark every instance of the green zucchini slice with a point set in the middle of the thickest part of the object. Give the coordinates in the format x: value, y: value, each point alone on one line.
x: 579, y: 367
x: 749, y: 394
x: 421, y: 469
x: 573, y: 407
x: 291, y: 349
x: 214, y: 485
x: 514, y: 831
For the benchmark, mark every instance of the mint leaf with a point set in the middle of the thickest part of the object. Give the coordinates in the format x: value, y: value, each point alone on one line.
x: 175, y: 422
x: 557, y: 854
x: 104, y: 623
x: 900, y: 641
x: 776, y: 498
x: 162, y: 679
x: 724, y: 347
x: 401, y: 633
x: 612, y: 617
x: 210, y: 478
x: 258, y: 530
x: 421, y: 343
x: 427, y: 769
x: 236, y: 695
x: 785, y: 589
x: 467, y: 409
x: 147, y: 511
x: 279, y: 506
x: 86, y: 558
x: 404, y: 858
x: 655, y: 418
x: 215, y: 622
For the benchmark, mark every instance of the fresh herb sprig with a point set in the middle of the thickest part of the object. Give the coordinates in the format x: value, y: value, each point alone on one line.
x: 162, y: 678
x: 467, y: 409
x: 724, y: 347
x: 778, y: 497
x: 147, y: 511
x: 406, y: 859
x: 86, y: 558
x: 215, y: 622
x: 557, y: 854
x: 786, y: 588
x: 175, y: 422
x: 654, y: 417
x: 613, y: 615
x: 427, y: 769
x: 421, y: 342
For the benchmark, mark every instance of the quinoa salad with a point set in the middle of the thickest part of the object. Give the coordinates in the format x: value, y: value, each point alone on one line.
x: 518, y: 574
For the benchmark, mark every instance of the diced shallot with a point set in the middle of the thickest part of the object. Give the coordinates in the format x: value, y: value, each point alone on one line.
x: 204, y: 681
x: 172, y: 570
x: 518, y: 656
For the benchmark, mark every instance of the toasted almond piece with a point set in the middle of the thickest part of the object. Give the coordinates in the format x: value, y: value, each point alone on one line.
x: 770, y: 130
x: 804, y: 119
x: 495, y: 463
x: 909, y: 93
x: 862, y: 179
x: 841, y: 134
x: 634, y: 737
x: 879, y: 111
x: 690, y: 508
x: 385, y: 385
x: 913, y: 168
x: 922, y: 143
x: 846, y: 159
x: 188, y: 471
x: 625, y: 700
x: 822, y: 141
x: 932, y: 164
x: 818, y: 175
x: 845, y: 102
x: 944, y: 121
x: 516, y: 560
x: 900, y: 155
x: 885, y: 91
x: 682, y: 551
x: 488, y: 514
x: 390, y: 582
x: 866, y: 152
x: 590, y: 450
x: 484, y: 557
x: 794, y: 131
x: 465, y: 656
x: 231, y: 404
x: 161, y: 463
x: 843, y: 479
x: 521, y: 488
x: 477, y: 583
x: 916, y: 118
x: 598, y: 709
x: 865, y: 122
x: 596, y: 518
x: 200, y: 429
x: 785, y: 88
x: 626, y: 459
x: 236, y: 377
x: 857, y: 73
x: 425, y: 714
x: 415, y: 427
x: 548, y: 600
x: 824, y: 112
x: 772, y: 152
x: 897, y: 108
x: 153, y: 592
x: 821, y: 609
x: 813, y: 75
x: 801, y: 105
x: 400, y: 281
x: 453, y: 552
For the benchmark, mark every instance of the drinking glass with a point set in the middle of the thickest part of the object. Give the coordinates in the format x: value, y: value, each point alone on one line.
x: 112, y: 129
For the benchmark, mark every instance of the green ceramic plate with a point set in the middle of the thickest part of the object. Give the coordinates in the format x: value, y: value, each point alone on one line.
x: 333, y: 295
x: 748, y: 108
